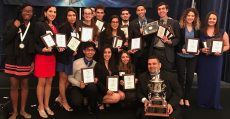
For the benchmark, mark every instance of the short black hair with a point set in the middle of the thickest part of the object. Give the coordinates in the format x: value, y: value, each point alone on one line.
x: 124, y: 9
x: 163, y: 3
x: 140, y: 5
x: 89, y: 44
x: 153, y: 57
x: 100, y: 6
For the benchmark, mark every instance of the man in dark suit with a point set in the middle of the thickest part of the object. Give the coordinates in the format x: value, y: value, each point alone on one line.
x: 135, y: 30
x: 173, y: 90
x: 163, y: 48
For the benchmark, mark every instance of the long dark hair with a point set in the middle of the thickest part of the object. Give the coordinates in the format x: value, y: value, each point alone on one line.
x: 109, y: 28
x: 111, y: 64
x: 129, y: 68
x: 205, y: 24
x: 43, y: 17
x: 66, y: 14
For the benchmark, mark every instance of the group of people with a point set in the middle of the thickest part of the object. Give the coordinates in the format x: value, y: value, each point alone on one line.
x: 27, y: 53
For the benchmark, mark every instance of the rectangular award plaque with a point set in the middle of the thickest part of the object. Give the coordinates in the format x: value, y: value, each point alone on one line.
x: 86, y: 34
x: 87, y: 75
x: 48, y: 40
x: 73, y: 43
x: 112, y: 83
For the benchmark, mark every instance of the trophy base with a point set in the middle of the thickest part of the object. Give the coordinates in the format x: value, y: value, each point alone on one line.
x: 157, y: 110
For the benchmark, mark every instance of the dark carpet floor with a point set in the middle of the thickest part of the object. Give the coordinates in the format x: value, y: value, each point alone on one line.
x: 115, y: 111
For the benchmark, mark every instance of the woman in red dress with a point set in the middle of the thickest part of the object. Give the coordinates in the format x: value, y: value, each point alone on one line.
x: 45, y: 61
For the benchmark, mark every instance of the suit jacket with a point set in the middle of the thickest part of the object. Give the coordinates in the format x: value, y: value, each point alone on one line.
x: 169, y: 49
x: 181, y: 44
x: 107, y: 40
x: 40, y: 29
x: 173, y: 90
x: 134, y: 32
x: 101, y: 72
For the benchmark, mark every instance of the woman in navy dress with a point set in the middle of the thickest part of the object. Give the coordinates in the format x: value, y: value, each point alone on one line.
x: 210, y: 65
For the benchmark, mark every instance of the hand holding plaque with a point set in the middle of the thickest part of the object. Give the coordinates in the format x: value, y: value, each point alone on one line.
x: 87, y: 75
x: 86, y: 34
x: 48, y: 40
x: 192, y: 46
x: 60, y: 40
x: 100, y: 25
x: 135, y: 43
x: 112, y: 83
x: 217, y: 46
x: 117, y: 42
x: 73, y: 43
x: 150, y: 28
x: 129, y: 81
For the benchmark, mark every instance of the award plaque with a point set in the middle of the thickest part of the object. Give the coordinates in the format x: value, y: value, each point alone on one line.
x: 60, y: 40
x: 217, y: 46
x: 135, y: 43
x: 161, y: 32
x: 126, y: 30
x: 171, y: 33
x: 129, y: 81
x: 73, y: 43
x: 112, y: 83
x: 117, y: 42
x: 192, y: 46
x: 48, y: 40
x: 86, y: 34
x: 87, y: 75
x: 99, y: 24
x: 150, y: 28
x: 157, y: 98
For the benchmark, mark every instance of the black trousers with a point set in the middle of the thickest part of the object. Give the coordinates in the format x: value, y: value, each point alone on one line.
x: 77, y: 95
x: 186, y: 68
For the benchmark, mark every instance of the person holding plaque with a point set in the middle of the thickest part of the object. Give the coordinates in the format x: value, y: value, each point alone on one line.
x: 186, y: 61
x: 87, y: 22
x: 139, y: 57
x: 45, y: 61
x: 106, y: 67
x: 99, y: 17
x: 19, y: 44
x: 210, y: 65
x: 107, y: 36
x: 164, y: 48
x: 80, y: 88
x: 173, y: 90
x: 125, y: 65
x: 65, y: 58
x: 125, y: 15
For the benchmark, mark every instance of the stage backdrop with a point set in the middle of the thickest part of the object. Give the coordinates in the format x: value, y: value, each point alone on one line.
x: 82, y: 3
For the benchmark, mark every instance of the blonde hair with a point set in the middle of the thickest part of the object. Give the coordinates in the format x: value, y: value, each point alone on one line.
x: 196, y: 22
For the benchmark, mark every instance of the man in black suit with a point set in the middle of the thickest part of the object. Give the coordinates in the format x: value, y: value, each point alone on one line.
x: 163, y: 48
x: 135, y: 30
x: 173, y: 90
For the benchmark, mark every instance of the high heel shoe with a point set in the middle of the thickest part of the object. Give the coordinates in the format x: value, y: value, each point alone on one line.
x: 26, y: 115
x: 42, y: 113
x: 49, y: 111
x: 13, y: 116
x: 67, y: 108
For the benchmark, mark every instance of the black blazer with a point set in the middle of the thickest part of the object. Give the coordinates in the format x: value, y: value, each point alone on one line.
x: 101, y: 73
x: 107, y: 40
x: 169, y: 49
x: 66, y: 56
x: 181, y: 44
x: 40, y: 29
x: 11, y: 41
x: 134, y: 32
x: 173, y: 89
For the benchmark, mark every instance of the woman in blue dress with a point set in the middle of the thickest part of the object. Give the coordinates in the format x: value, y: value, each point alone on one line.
x: 210, y: 64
